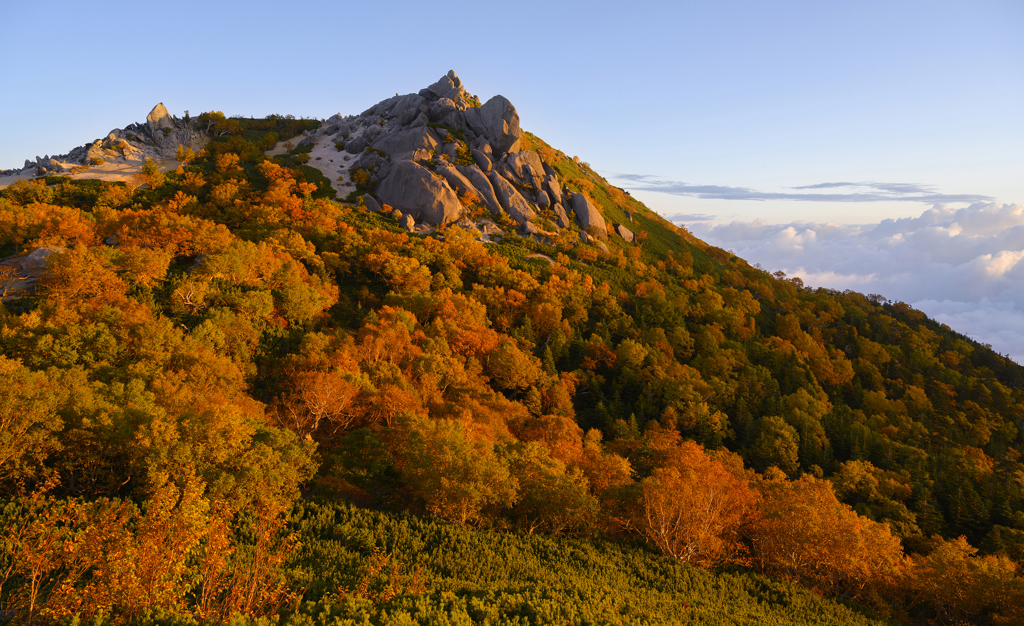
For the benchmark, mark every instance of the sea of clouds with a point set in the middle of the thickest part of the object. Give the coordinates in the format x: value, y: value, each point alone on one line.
x: 962, y: 267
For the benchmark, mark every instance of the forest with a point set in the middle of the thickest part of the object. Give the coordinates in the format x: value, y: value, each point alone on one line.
x: 234, y: 398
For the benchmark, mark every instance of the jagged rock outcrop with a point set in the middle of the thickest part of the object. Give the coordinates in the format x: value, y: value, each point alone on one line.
x: 527, y: 167
x: 511, y: 200
x: 159, y: 119
x: 157, y: 138
x: 497, y: 120
x: 404, y: 141
x: 483, y: 186
x: 412, y: 188
x: 459, y: 183
x: 426, y: 149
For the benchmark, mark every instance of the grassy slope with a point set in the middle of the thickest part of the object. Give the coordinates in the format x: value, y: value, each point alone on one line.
x: 502, y: 578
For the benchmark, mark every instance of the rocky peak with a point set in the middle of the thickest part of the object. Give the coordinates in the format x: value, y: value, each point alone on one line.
x: 427, y: 150
x: 159, y: 119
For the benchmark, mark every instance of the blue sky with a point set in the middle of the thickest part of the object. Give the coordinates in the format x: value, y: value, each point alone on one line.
x: 729, y: 116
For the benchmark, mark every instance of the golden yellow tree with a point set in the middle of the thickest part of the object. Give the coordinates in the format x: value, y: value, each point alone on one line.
x: 693, y: 507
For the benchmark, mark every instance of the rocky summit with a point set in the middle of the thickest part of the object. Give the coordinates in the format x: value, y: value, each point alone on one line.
x: 432, y: 158
x: 430, y: 154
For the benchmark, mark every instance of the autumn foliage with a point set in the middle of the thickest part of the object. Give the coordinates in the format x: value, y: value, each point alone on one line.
x: 205, y: 348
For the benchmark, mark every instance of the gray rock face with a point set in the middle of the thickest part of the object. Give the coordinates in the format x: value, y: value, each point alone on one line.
x: 159, y: 119
x: 563, y: 217
x: 371, y: 133
x: 443, y: 86
x: 498, y: 121
x: 406, y: 141
x: 625, y: 233
x: 483, y: 187
x: 371, y: 203
x: 543, y: 201
x: 554, y: 189
x: 408, y: 223
x: 413, y: 189
x: 480, y: 143
x: 481, y: 159
x: 588, y: 217
x: 421, y: 120
x: 35, y: 263
x: 455, y: 179
x: 528, y: 167
x: 356, y: 146
x: 511, y: 200
x: 440, y: 109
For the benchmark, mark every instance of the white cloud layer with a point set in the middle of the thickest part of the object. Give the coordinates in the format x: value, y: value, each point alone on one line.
x: 963, y: 267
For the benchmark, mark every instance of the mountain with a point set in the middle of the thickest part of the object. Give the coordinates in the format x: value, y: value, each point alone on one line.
x: 206, y: 350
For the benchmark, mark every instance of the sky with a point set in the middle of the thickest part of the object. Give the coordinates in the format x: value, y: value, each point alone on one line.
x: 747, y: 121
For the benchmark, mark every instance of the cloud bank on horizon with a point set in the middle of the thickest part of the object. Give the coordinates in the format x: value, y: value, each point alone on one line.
x: 962, y: 266
x: 853, y: 192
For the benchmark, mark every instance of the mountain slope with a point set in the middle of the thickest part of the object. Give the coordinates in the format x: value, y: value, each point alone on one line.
x: 487, y: 332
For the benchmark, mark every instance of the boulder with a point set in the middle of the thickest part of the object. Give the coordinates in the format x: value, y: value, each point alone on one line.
x: 511, y: 200
x: 563, y: 217
x: 400, y: 107
x: 543, y: 201
x: 456, y: 180
x: 498, y: 121
x: 588, y: 217
x: 406, y: 141
x: 356, y: 146
x: 419, y: 154
x: 527, y: 167
x: 457, y: 120
x: 483, y: 187
x: 442, y: 86
x: 413, y: 189
x: 371, y: 203
x: 481, y: 159
x: 440, y: 109
x: 625, y: 233
x: 408, y: 223
x: 480, y: 143
x: 530, y: 228
x: 454, y: 78
x: 33, y: 265
x: 554, y: 189
x: 372, y: 133
x: 421, y: 120
x: 159, y: 119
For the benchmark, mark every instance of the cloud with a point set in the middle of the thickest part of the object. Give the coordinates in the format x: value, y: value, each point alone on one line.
x: 858, y: 192
x: 964, y: 267
x: 690, y: 217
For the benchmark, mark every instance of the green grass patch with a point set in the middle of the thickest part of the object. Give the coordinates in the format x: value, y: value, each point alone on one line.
x: 471, y: 576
